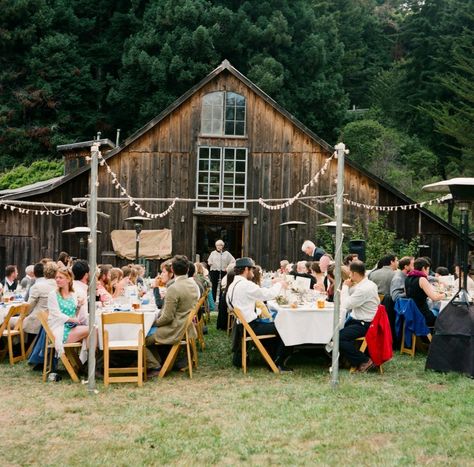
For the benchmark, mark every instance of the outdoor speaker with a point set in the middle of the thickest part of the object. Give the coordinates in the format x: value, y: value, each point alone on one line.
x: 358, y: 246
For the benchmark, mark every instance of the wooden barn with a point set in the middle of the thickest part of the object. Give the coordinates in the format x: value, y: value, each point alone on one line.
x: 225, y: 143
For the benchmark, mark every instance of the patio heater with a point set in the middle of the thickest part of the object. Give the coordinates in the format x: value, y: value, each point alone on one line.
x: 462, y: 190
x: 331, y: 226
x: 83, y: 233
x: 292, y: 226
x: 138, y: 222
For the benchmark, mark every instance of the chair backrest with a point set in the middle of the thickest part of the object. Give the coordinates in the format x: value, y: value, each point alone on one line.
x: 13, y: 311
x: 407, y: 308
x: 123, y: 317
x: 240, y: 316
x: 43, y: 318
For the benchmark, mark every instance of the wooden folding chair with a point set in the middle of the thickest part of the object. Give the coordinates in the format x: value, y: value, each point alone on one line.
x: 185, y: 340
x: 207, y: 311
x: 362, y: 348
x: 410, y: 350
x: 256, y: 340
x: 200, y: 320
x: 17, y: 330
x: 137, y: 344
x: 70, y: 357
x: 230, y: 320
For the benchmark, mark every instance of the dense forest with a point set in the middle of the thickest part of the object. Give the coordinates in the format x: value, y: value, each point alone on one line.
x: 393, y: 79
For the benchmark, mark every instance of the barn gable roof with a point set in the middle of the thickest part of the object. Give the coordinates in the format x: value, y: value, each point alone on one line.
x: 44, y: 187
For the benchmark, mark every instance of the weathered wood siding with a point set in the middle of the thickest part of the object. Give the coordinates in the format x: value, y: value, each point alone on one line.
x: 162, y: 163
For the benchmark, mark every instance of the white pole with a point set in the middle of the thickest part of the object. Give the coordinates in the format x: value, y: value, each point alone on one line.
x: 341, y: 150
x: 92, y: 263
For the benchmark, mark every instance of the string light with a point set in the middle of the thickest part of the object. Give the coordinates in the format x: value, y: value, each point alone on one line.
x: 290, y: 201
x: 131, y: 201
x: 10, y: 204
x: 402, y: 207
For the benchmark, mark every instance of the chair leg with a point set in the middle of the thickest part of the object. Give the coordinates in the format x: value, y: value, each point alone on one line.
x: 413, y: 344
x: 70, y: 369
x: 10, y: 349
x: 31, y: 347
x: 195, y: 353
x: 173, y: 353
x: 190, y: 359
x: 140, y: 365
x: 244, y: 353
x: 106, y: 366
x: 22, y: 344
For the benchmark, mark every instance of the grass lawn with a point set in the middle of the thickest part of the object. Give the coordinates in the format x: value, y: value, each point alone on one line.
x: 404, y: 417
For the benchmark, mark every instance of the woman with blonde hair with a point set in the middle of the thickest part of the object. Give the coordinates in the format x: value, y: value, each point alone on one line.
x: 63, y: 307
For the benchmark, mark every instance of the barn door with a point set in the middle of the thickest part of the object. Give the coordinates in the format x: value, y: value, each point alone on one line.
x: 212, y: 228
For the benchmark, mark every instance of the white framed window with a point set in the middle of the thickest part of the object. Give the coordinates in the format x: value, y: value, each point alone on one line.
x: 222, y: 178
x: 223, y: 114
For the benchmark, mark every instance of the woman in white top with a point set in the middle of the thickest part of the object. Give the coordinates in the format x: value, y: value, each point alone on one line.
x: 63, y: 307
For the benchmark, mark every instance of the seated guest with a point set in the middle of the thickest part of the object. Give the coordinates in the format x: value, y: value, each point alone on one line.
x: 191, y: 273
x: 419, y: 289
x: 384, y: 275
x: 397, y: 285
x: 470, y: 282
x: 64, y: 260
x: 301, y: 271
x: 349, y: 258
x: 104, y: 288
x: 80, y: 270
x: 222, y: 314
x: 181, y: 297
x: 28, y: 280
x: 283, y: 266
x: 39, y: 292
x: 318, y: 276
x: 116, y: 282
x: 131, y: 273
x: 244, y: 294
x: 257, y: 275
x: 441, y: 271
x: 331, y: 279
x: 165, y: 279
x: 11, y: 279
x: 359, y: 295
x: 200, y: 276
x: 63, y: 306
x: 324, y: 262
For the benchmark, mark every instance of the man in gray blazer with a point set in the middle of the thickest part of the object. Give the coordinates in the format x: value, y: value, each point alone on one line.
x: 38, y: 296
x: 181, y: 297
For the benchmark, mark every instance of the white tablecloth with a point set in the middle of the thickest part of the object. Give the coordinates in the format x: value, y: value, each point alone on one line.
x: 125, y: 332
x: 304, y: 325
x: 5, y: 308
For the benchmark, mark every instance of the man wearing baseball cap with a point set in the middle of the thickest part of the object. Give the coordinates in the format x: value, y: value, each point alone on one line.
x: 243, y: 294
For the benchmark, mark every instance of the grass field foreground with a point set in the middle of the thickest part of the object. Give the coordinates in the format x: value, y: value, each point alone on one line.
x: 404, y: 417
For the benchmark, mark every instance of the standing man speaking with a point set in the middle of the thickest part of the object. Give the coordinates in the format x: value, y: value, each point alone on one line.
x: 218, y: 261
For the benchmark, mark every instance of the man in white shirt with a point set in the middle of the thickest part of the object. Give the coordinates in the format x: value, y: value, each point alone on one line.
x: 218, y: 261
x: 360, y: 296
x: 244, y: 294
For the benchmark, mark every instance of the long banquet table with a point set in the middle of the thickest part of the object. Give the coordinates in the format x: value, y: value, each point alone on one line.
x: 305, y: 324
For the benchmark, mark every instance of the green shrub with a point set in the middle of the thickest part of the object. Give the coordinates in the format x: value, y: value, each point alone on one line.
x: 38, y: 171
